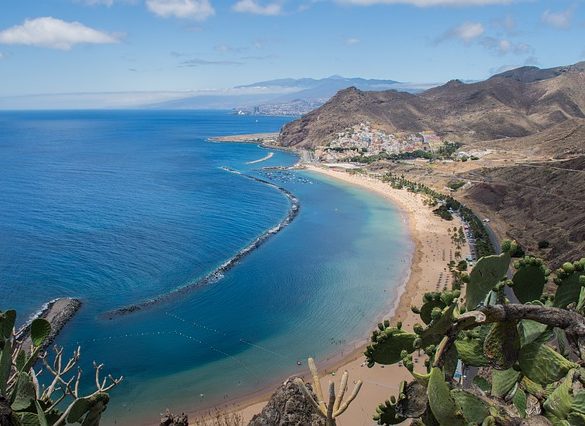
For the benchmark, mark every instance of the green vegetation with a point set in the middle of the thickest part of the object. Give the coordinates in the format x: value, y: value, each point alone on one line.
x: 443, y: 212
x: 24, y: 402
x: 445, y: 152
x: 454, y: 185
x: 369, y: 159
x: 448, y: 149
x: 530, y: 354
x: 483, y: 244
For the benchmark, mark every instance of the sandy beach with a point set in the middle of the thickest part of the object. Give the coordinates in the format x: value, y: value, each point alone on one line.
x: 433, y: 250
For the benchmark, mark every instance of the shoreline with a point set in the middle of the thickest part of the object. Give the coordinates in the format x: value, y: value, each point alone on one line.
x: 58, y: 312
x: 422, y: 225
x: 246, y: 138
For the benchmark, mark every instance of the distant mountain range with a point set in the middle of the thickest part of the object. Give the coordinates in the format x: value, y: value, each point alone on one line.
x: 515, y: 103
x: 286, y: 96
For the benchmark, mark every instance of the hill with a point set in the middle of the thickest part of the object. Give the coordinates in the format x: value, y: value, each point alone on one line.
x: 512, y: 104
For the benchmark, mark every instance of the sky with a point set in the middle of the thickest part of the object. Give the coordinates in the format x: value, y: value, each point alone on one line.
x: 155, y: 48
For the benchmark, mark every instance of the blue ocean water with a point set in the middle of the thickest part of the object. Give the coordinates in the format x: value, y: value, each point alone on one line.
x: 116, y: 207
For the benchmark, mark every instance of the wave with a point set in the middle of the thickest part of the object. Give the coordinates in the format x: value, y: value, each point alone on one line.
x: 268, y: 157
x: 38, y: 314
x: 218, y: 273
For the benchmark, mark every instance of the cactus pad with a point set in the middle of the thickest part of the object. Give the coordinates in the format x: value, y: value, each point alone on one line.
x: 502, y: 345
x: 412, y: 401
x: 474, y: 409
x: 560, y: 400
x: 485, y: 275
x: 569, y: 285
x: 470, y: 352
x: 436, y: 330
x: 542, y: 364
x: 529, y: 279
x: 503, y: 381
x: 386, y: 414
x: 442, y: 404
x: 388, y: 344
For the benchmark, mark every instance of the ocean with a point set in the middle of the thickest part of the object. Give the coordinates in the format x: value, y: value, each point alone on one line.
x: 121, y: 207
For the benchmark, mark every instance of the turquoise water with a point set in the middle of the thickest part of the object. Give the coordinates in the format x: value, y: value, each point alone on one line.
x: 119, y: 207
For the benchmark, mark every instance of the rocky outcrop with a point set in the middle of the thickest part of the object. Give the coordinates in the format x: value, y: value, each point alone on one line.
x: 169, y: 419
x: 58, y: 312
x: 288, y: 407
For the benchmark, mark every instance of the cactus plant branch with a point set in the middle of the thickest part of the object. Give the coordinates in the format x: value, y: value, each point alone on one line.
x: 345, y: 404
x: 331, y: 403
x: 572, y: 322
x: 342, y: 388
x: 317, y: 384
x: 335, y: 406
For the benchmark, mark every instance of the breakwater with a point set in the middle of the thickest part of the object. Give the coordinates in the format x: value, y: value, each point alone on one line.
x: 218, y: 272
x: 58, y: 312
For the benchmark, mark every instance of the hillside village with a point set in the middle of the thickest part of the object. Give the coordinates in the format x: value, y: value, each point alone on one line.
x: 366, y: 140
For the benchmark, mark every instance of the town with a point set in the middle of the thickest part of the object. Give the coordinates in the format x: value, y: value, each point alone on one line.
x: 365, y: 140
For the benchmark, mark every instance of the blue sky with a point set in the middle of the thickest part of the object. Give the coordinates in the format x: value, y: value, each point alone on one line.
x: 61, y: 46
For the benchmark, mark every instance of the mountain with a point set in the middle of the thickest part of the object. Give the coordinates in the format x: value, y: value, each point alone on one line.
x: 286, y: 96
x: 515, y: 103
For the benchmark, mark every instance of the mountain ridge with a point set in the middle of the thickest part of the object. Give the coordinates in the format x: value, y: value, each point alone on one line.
x: 511, y: 104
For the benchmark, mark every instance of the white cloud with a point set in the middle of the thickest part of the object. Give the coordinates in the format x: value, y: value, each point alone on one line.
x: 466, y: 32
x: 54, y: 33
x: 1, y: 56
x: 192, y: 9
x: 426, y: 3
x: 561, y: 20
x: 352, y: 41
x: 505, y: 46
x: 254, y: 7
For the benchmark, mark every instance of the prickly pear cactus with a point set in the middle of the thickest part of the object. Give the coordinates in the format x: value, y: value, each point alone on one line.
x: 569, y: 282
x: 533, y: 350
x: 503, y: 381
x: 29, y: 404
x: 502, y: 345
x: 529, y: 279
x: 484, y: 276
x: 470, y: 351
x: 442, y: 404
x: 542, y: 364
x: 387, y: 345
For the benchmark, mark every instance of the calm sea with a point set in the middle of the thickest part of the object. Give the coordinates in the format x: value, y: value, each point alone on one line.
x: 121, y: 206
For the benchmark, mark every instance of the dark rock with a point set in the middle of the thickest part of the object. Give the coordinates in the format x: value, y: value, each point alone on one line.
x: 287, y: 407
x: 169, y: 419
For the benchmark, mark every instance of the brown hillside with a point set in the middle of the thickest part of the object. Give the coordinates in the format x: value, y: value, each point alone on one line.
x: 517, y: 103
x: 539, y: 201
